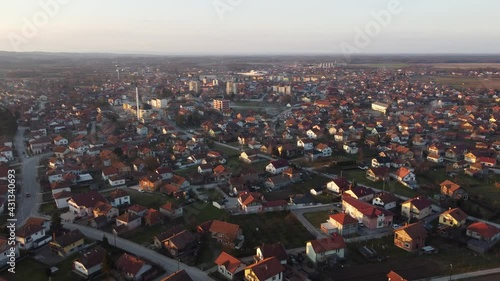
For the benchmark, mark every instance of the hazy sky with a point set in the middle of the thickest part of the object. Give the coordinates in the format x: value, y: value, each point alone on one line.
x: 248, y: 26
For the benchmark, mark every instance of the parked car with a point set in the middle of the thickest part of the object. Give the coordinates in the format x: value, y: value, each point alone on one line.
x: 396, y: 226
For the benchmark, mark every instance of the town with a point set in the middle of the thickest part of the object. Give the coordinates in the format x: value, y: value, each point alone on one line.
x: 227, y: 168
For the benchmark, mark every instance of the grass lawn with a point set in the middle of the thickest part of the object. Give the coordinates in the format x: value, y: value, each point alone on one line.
x: 201, y: 212
x: 317, y: 218
x: 226, y: 151
x: 308, y: 184
x: 48, y: 208
x: 269, y: 228
x: 151, y: 200
x: 27, y: 269
x: 144, y: 235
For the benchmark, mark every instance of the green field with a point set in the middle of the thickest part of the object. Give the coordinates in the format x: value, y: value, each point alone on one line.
x: 270, y: 228
x: 317, y: 218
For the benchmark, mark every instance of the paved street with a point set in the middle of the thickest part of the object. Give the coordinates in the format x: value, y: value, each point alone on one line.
x: 27, y: 206
x: 166, y: 263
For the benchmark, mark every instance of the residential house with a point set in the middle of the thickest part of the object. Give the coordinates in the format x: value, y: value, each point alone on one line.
x: 105, y: 210
x: 361, y: 193
x: 151, y: 182
x: 322, y: 250
x: 350, y: 148
x: 90, y: 262
x: 341, y: 223
x: 418, y: 208
x: 451, y: 189
x: 250, y: 202
x: 484, y: 236
x: 83, y: 204
x: 31, y: 236
x: 129, y: 220
x: 62, y: 198
x: 137, y: 210
x: 265, y: 270
x: 225, y: 233
x: 406, y: 177
x: 381, y: 161
x: 277, y: 166
x: 271, y: 250
x: 372, y: 217
x: 305, y: 144
x: 152, y: 217
x: 229, y: 267
x: 182, y: 243
x: 132, y: 267
x: 171, y: 210
x: 410, y: 237
x: 277, y: 181
x: 338, y: 185
x: 453, y: 217
x: 378, y: 174
x: 386, y: 200
x: 165, y: 173
x: 119, y: 197
x: 142, y: 130
x: 116, y: 180
x: 483, y: 231
x: 68, y: 243
x: 179, y: 182
x: 325, y: 150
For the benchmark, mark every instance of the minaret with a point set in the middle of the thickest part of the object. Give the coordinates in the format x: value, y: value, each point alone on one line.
x: 118, y: 71
x: 137, y: 102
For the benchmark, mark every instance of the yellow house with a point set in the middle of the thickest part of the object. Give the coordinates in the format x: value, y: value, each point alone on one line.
x: 453, y: 217
x: 67, y: 243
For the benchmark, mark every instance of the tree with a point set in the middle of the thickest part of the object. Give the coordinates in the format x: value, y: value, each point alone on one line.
x: 118, y: 151
x: 107, y: 264
x: 105, y: 242
x: 56, y: 222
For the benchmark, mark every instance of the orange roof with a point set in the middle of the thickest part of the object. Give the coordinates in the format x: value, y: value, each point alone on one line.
x: 229, y: 262
x: 328, y: 244
x: 485, y: 230
x: 226, y: 228
x: 343, y: 219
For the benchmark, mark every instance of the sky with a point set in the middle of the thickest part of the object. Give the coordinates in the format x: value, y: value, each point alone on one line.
x: 251, y: 26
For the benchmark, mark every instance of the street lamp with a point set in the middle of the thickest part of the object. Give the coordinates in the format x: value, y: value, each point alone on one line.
x: 451, y: 270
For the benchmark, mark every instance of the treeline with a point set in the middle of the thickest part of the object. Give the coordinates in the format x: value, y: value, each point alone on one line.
x: 8, y: 123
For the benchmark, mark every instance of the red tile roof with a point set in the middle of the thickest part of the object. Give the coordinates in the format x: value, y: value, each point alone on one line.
x: 367, y: 209
x: 328, y: 244
x: 266, y: 268
x: 130, y: 264
x: 229, y: 262
x: 228, y: 229
x: 485, y: 230
x: 343, y: 219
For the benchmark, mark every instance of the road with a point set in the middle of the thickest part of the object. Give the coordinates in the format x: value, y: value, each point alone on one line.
x: 299, y: 214
x: 166, y: 263
x: 27, y: 206
x: 468, y: 275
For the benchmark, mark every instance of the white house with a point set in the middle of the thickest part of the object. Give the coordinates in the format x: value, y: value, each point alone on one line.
x: 306, y: 144
x: 131, y: 221
x: 89, y: 262
x: 228, y: 266
x: 325, y: 150
x: 277, y: 166
x: 60, y: 141
x: 351, y: 148
x: 322, y: 249
x: 338, y: 185
x: 31, y: 236
x: 116, y: 180
x: 5, y: 250
x: 62, y: 198
x: 119, y: 197
x: 386, y: 200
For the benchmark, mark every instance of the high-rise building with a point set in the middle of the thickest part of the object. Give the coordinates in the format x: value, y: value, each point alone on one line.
x: 231, y: 88
x: 221, y: 105
x: 195, y: 86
